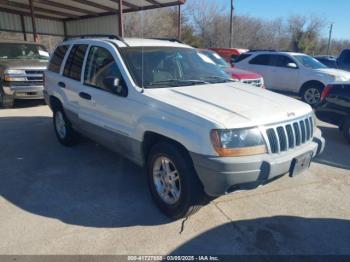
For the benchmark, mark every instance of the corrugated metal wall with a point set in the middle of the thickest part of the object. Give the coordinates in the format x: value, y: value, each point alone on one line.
x: 98, y: 25
x: 12, y: 22
x: 44, y: 26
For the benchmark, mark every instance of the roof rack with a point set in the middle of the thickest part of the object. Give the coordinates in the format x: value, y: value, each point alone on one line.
x: 262, y: 50
x: 168, y: 39
x: 112, y: 37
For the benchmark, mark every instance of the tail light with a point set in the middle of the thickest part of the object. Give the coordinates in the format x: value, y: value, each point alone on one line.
x: 326, y: 92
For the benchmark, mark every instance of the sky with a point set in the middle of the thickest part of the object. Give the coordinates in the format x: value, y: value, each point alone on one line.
x: 333, y: 11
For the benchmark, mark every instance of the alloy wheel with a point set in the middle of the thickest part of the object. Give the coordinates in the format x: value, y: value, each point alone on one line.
x: 166, y: 180
x: 60, y: 125
x: 312, y: 96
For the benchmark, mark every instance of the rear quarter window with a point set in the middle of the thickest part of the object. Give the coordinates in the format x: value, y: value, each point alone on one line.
x: 242, y: 57
x: 57, y: 58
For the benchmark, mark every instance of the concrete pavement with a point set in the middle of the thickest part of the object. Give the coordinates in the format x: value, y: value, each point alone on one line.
x: 88, y: 200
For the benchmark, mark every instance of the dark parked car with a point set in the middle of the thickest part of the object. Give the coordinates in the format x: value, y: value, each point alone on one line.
x: 329, y: 61
x: 343, y: 60
x: 335, y: 107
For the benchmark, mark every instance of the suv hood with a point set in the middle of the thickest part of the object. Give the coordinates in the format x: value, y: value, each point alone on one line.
x: 335, y: 72
x: 232, y: 105
x: 24, y: 64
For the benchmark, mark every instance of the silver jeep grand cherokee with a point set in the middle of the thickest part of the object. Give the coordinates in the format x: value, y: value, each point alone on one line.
x: 21, y: 71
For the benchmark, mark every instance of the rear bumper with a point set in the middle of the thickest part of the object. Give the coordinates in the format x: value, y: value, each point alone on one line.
x: 222, y: 175
x: 24, y: 92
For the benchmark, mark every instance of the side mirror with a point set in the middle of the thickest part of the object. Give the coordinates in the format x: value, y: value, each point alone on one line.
x: 292, y: 65
x: 116, y: 85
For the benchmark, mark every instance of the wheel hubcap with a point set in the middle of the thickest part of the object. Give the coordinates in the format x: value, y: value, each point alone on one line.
x: 60, y: 125
x: 166, y: 180
x: 312, y: 96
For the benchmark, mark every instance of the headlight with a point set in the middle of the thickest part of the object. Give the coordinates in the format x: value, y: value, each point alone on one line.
x: 14, y: 72
x: 338, y: 78
x: 238, y: 142
x: 14, y: 75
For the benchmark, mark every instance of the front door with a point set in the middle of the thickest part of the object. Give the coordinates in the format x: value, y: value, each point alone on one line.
x: 104, y: 115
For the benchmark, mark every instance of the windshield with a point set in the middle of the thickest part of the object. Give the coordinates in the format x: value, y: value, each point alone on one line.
x: 309, y: 62
x: 22, y: 51
x: 156, y: 67
x: 217, y: 59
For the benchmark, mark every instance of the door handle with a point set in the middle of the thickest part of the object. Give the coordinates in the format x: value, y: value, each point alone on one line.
x: 85, y: 96
x: 61, y: 84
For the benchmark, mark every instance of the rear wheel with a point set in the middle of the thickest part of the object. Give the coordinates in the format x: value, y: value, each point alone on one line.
x: 63, y: 128
x: 173, y: 182
x: 312, y: 94
x: 346, y: 129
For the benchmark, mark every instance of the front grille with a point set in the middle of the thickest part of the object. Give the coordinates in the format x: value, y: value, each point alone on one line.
x: 24, y: 83
x: 34, y: 72
x: 284, y: 137
x: 254, y: 82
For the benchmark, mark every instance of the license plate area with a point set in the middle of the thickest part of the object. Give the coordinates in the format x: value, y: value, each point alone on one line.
x: 300, y: 164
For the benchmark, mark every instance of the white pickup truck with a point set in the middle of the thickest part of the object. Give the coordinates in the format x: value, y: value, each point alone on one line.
x: 165, y: 106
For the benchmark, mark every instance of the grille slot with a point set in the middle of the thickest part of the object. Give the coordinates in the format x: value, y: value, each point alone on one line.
x: 284, y: 137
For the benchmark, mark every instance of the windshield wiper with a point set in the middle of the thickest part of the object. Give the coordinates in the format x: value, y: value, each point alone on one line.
x: 218, y: 79
x: 177, y: 82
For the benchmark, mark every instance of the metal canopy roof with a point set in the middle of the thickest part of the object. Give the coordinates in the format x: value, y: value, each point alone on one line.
x: 66, y: 10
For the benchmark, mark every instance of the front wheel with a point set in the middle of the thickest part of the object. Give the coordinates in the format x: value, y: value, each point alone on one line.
x: 312, y: 95
x: 6, y: 101
x: 173, y: 182
x: 63, y: 128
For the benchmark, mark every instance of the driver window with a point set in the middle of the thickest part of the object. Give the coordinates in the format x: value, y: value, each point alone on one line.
x: 100, y: 66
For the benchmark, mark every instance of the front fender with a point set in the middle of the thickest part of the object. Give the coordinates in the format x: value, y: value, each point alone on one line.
x: 193, y: 137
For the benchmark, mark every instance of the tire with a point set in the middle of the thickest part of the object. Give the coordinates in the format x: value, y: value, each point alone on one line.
x: 6, y: 101
x: 346, y: 129
x: 63, y: 128
x: 190, y: 197
x: 311, y: 94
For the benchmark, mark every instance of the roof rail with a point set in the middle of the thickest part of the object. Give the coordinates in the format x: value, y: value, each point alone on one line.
x: 168, y: 39
x: 112, y: 37
x: 262, y: 50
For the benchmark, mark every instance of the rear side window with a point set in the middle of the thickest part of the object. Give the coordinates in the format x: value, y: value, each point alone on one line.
x: 57, y: 58
x: 100, y: 66
x: 75, y: 62
x: 261, y: 60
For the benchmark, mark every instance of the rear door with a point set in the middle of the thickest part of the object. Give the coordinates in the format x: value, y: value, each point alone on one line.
x: 262, y: 64
x: 71, y: 81
x: 53, y: 75
x: 283, y: 77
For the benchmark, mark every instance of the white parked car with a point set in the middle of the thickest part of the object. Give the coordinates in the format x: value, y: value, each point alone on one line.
x: 166, y: 107
x: 293, y: 73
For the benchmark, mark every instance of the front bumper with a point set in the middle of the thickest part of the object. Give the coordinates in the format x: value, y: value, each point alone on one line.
x: 222, y: 175
x: 24, y: 92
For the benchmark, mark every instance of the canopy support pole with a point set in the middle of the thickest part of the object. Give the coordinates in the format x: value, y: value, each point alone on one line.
x: 179, y: 22
x: 23, y: 25
x: 121, y: 19
x: 32, y: 14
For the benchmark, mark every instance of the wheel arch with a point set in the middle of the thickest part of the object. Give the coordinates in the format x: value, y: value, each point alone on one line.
x: 55, y: 103
x: 151, y: 138
x: 311, y: 83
